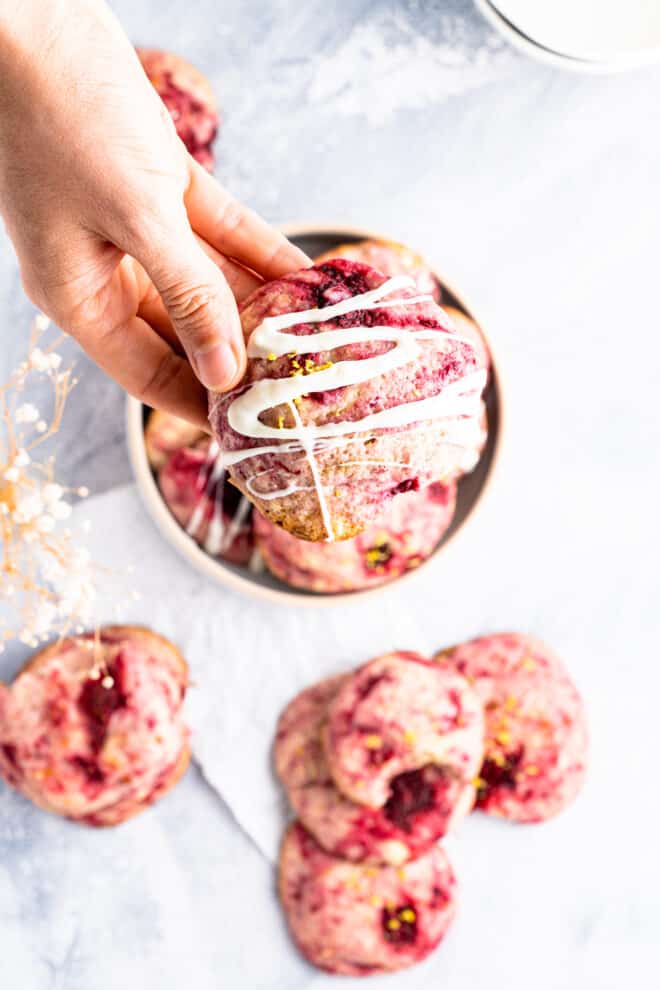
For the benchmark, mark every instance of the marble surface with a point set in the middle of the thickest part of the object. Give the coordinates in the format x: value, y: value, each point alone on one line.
x: 536, y: 192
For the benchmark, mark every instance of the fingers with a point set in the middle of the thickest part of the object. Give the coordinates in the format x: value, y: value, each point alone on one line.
x: 236, y: 230
x: 146, y: 366
x: 241, y: 281
x: 152, y: 309
x: 199, y: 304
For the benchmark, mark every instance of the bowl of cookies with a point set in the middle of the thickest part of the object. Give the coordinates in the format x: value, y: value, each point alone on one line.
x: 361, y: 440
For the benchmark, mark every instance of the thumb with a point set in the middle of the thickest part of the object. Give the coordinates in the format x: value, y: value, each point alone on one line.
x: 201, y: 306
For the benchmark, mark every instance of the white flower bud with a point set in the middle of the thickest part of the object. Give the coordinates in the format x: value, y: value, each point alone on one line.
x: 52, y: 492
x: 38, y: 360
x: 26, y: 413
x: 60, y: 510
x: 29, y: 506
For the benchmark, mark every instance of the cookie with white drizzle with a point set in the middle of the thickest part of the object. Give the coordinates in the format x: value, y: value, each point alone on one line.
x: 202, y: 500
x: 390, y: 258
x: 357, y: 389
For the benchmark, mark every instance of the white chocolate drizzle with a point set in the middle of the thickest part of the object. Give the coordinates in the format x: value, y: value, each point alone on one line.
x: 219, y: 537
x: 457, y: 404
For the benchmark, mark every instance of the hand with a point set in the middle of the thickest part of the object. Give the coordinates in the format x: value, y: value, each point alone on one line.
x: 122, y: 238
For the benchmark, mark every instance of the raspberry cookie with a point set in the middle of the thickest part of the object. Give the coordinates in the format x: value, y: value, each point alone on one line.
x: 189, y: 98
x: 422, y: 806
x: 164, y: 434
x: 407, y: 534
x: 397, y: 714
x: 466, y: 327
x: 357, y: 390
x: 211, y: 510
x: 92, y: 727
x: 359, y: 920
x: 389, y: 258
x: 536, y: 735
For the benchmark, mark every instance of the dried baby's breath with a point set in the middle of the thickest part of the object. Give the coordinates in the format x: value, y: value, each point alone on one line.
x: 46, y: 575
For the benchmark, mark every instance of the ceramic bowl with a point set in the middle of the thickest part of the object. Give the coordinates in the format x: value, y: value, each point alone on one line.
x: 472, y: 489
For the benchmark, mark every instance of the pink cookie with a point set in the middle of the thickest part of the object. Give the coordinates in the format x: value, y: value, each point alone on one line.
x: 536, y: 734
x: 389, y: 258
x: 397, y: 714
x: 189, y: 98
x: 466, y: 327
x: 359, y: 920
x: 164, y: 434
x: 92, y: 728
x: 356, y: 390
x: 206, y: 504
x: 407, y: 534
x: 422, y: 806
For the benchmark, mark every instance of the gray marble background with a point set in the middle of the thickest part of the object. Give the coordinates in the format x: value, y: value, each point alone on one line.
x: 537, y: 193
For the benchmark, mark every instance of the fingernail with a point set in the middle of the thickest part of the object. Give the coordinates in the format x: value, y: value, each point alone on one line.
x: 216, y: 368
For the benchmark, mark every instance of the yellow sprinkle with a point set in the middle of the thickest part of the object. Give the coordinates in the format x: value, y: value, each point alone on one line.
x: 337, y: 492
x: 510, y: 703
x: 409, y: 737
x: 401, y: 873
x: 370, y: 871
x: 271, y: 357
x: 528, y: 664
x: 373, y: 742
x: 531, y: 770
x: 280, y: 422
x: 394, y: 924
x: 503, y: 738
x: 478, y: 782
x: 407, y: 915
x: 376, y: 901
x: 497, y: 758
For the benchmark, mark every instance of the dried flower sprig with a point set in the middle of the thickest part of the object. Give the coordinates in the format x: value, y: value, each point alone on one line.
x: 46, y: 579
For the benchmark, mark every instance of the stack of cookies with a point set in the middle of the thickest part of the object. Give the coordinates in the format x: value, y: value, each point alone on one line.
x: 379, y: 764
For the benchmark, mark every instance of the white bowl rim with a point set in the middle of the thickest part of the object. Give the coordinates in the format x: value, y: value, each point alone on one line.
x: 570, y: 63
x: 224, y: 575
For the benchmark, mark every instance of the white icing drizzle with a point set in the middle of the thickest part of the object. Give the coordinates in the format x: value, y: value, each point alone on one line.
x: 306, y: 437
x: 218, y: 537
x: 457, y: 401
